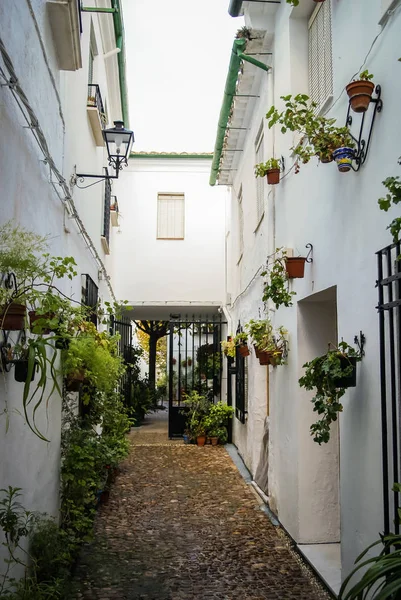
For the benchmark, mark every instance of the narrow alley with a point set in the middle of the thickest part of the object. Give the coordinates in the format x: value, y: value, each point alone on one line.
x: 181, y: 523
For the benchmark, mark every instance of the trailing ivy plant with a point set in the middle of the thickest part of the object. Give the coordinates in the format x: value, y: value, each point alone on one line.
x: 322, y: 375
x: 277, y: 282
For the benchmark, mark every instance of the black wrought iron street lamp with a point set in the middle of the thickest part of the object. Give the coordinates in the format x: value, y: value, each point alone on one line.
x: 118, y: 143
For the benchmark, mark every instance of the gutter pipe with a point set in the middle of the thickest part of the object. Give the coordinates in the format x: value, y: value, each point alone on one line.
x: 119, y: 33
x: 234, y: 10
x: 237, y: 55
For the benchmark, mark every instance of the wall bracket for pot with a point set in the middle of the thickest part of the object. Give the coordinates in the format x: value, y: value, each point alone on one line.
x: 360, y: 342
x: 309, y: 257
x: 361, y: 152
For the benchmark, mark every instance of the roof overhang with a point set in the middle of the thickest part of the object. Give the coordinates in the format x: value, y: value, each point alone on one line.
x: 234, y: 122
x: 156, y: 311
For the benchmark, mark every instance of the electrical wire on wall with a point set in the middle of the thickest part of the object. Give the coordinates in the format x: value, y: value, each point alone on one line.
x: 11, y: 81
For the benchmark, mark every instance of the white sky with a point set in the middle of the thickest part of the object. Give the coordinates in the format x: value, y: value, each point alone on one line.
x: 177, y: 53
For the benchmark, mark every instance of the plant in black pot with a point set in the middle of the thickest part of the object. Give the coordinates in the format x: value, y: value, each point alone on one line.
x: 329, y: 376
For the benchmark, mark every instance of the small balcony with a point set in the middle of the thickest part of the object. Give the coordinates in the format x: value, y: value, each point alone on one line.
x: 96, y: 113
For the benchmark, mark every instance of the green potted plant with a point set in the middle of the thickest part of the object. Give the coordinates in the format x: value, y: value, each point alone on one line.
x: 270, y: 346
x: 241, y: 341
x: 271, y: 168
x: 228, y: 347
x: 196, y: 409
x: 329, y: 376
x: 360, y: 92
x: 276, y: 285
x: 344, y: 148
x: 216, y: 422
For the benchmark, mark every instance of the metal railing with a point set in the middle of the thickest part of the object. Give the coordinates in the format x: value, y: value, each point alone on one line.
x: 95, y: 100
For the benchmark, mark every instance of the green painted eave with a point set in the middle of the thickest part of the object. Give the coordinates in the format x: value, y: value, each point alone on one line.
x: 119, y: 34
x: 170, y: 155
x: 237, y: 56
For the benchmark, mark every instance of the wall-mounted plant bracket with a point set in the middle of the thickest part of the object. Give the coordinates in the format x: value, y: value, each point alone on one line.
x: 360, y: 342
x: 309, y: 257
x: 282, y: 163
x: 362, y: 150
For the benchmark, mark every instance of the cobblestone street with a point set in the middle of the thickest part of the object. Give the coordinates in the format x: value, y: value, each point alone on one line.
x: 181, y: 523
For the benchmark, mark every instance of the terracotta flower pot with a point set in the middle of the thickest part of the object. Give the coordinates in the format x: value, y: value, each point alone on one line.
x: 214, y: 441
x: 274, y: 357
x: 257, y: 351
x: 264, y: 358
x: 243, y: 350
x: 12, y: 317
x: 360, y: 94
x: 273, y: 176
x: 201, y: 440
x: 33, y: 317
x: 343, y: 157
x: 295, y: 266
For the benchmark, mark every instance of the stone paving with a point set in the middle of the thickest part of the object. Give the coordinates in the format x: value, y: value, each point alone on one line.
x: 182, y: 524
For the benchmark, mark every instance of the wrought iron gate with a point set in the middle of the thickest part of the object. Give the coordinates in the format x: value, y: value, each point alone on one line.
x: 389, y: 307
x: 124, y: 328
x: 194, y: 363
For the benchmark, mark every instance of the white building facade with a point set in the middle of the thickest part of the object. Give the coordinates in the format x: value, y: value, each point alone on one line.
x: 330, y: 494
x: 61, y: 85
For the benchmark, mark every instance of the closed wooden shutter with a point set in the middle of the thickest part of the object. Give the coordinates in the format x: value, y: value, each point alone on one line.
x: 170, y: 216
x: 320, y: 54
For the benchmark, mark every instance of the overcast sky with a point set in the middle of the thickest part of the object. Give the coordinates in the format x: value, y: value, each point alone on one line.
x: 178, y: 52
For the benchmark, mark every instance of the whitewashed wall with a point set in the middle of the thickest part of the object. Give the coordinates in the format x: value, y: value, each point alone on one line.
x: 338, y: 214
x: 59, y: 101
x: 168, y: 271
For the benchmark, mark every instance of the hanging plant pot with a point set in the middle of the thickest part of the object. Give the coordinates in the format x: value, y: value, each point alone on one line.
x: 33, y: 321
x: 295, y: 266
x: 74, y: 380
x: 257, y: 351
x: 274, y: 357
x: 62, y: 343
x: 343, y: 157
x: 273, y: 176
x: 360, y: 94
x: 264, y: 358
x: 350, y: 380
x: 325, y: 158
x: 21, y: 371
x: 12, y: 317
x: 243, y: 350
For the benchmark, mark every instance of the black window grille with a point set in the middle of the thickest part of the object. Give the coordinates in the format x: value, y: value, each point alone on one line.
x: 106, y: 215
x: 389, y: 307
x: 90, y: 294
x: 241, y: 385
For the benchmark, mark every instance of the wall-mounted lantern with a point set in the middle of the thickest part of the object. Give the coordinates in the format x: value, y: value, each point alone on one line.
x: 118, y: 143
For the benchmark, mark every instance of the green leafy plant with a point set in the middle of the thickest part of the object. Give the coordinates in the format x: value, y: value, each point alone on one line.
x: 381, y: 574
x: 393, y: 197
x: 293, y: 2
x: 261, y: 169
x: 276, y: 285
x: 196, y: 410
x: 365, y: 76
x: 228, y: 347
x: 216, y: 420
x: 319, y: 135
x: 322, y: 375
x: 266, y: 339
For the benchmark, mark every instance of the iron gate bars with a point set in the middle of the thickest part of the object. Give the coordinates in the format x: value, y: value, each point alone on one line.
x: 124, y: 328
x: 194, y: 363
x: 389, y: 307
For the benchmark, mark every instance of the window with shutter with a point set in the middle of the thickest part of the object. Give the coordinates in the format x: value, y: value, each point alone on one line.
x: 240, y: 225
x: 320, y: 54
x: 170, y: 217
x: 260, y: 181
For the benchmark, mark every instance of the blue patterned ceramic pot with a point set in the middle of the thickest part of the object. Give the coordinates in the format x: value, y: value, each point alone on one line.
x: 343, y: 157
